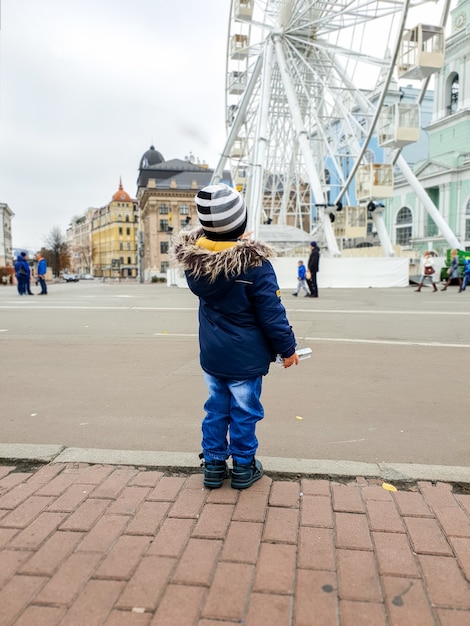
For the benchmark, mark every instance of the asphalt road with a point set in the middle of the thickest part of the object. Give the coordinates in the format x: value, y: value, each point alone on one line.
x: 115, y: 366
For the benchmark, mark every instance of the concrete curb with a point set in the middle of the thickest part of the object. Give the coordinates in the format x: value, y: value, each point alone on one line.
x: 289, y: 467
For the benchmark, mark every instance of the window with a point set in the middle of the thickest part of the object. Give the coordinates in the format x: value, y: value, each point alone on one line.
x: 164, y: 267
x: 129, y: 260
x: 164, y: 247
x: 127, y: 217
x: 119, y: 217
x: 404, y: 227
x: 184, y: 209
x: 164, y: 225
x: 120, y: 246
x: 120, y: 230
x: 163, y: 209
x: 454, y: 94
x: 128, y: 231
x: 467, y: 221
x: 129, y: 246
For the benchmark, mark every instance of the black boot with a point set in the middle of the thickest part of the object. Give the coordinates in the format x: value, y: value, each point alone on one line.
x: 243, y: 476
x: 434, y: 285
x: 215, y: 472
x: 419, y: 287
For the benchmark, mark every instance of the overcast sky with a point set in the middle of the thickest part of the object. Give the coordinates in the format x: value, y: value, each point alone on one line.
x: 86, y: 86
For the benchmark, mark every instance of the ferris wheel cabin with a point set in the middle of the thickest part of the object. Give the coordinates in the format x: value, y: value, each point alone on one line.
x: 398, y: 125
x: 243, y: 10
x: 374, y: 181
x: 239, y: 47
x: 421, y: 52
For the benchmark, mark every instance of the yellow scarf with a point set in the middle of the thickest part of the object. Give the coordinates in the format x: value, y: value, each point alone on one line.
x: 214, y: 246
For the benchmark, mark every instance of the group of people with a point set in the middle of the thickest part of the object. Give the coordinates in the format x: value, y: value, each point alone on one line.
x: 23, y: 274
x: 307, y: 276
x: 428, y: 271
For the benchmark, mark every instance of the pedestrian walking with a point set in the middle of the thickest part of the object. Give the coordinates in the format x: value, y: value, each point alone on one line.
x: 453, y: 271
x: 313, y: 265
x: 242, y: 327
x: 427, y: 270
x: 301, y: 279
x: 466, y: 275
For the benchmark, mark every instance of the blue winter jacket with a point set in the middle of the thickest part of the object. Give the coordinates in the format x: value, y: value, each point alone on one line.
x: 42, y: 267
x: 301, y: 272
x: 242, y: 322
x: 22, y: 267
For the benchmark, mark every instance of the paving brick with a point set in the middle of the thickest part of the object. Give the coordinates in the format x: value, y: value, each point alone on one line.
x: 362, y: 613
x: 225, y: 495
x: 452, y: 617
x: 347, y: 498
x: 11, y: 480
x: 57, y: 485
x: 146, y: 479
x: 316, y: 595
x: 25, y: 512
x: 438, y: 496
x: 316, y: 548
x: 72, y: 497
x: 69, y: 579
x: 426, y: 536
x: 46, y: 473
x: 383, y: 515
x: 229, y: 592
x: 285, y: 493
x: 315, y: 487
x: 14, y: 497
x: 352, y: 531
x: 242, y: 542
x: 103, y: 534
x: 411, y: 504
x: 196, y: 481
x: 93, y: 474
x: 5, y: 470
x: 172, y: 537
x: 180, y: 605
x: 269, y: 609
x: 94, y: 603
x: 275, y: 569
x: 167, y: 488
x: 51, y: 554
x: 112, y: 486
x: 316, y: 511
x: 16, y: 596
x: 376, y: 492
x: 461, y: 546
x: 197, y: 562
x: 282, y: 525
x: 40, y: 616
x: 216, y: 622
x: 453, y: 520
x: 147, y: 584
x: 464, y: 501
x: 128, y: 618
x: 148, y: 518
x: 445, y: 582
x: 6, y: 534
x: 123, y: 557
x: 214, y: 521
x: 394, y: 554
x: 129, y: 500
x: 11, y: 561
x: 86, y: 515
x: 188, y: 503
x: 33, y: 535
x: 251, y: 506
x: 357, y: 576
x: 407, y: 602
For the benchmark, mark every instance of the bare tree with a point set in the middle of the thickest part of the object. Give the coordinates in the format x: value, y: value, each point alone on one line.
x: 57, y: 250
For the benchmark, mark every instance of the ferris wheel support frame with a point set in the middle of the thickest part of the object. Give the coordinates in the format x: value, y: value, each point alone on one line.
x: 302, y: 138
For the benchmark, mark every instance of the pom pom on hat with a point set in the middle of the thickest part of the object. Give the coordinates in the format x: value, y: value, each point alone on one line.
x: 222, y: 212
x: 313, y: 243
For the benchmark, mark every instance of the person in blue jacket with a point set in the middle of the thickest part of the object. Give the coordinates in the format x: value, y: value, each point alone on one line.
x: 242, y: 328
x: 42, y: 269
x: 23, y: 275
x: 466, y: 276
x: 301, y: 279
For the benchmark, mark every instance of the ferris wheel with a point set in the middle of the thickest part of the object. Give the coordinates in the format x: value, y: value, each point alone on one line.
x: 306, y: 85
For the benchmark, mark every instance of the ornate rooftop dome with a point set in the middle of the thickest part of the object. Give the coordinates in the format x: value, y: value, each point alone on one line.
x: 151, y: 157
x: 121, y: 195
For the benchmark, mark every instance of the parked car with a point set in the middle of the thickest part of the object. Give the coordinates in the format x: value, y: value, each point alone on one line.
x: 86, y: 277
x: 70, y: 278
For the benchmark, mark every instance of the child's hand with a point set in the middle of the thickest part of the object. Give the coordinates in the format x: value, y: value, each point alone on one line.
x: 291, y: 360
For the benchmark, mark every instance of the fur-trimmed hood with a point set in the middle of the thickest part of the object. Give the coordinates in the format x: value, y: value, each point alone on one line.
x: 233, y: 261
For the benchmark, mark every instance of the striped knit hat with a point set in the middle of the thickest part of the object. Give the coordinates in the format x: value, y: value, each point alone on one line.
x: 222, y: 212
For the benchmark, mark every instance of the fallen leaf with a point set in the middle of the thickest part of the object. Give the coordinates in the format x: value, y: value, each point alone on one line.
x: 297, y: 417
x: 389, y: 487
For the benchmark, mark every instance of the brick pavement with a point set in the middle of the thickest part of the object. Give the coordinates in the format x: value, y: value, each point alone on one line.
x: 125, y: 546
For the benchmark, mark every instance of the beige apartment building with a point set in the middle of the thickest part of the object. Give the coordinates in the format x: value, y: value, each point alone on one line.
x: 6, y: 250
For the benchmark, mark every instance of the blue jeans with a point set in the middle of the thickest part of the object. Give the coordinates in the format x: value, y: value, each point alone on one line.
x: 232, y: 410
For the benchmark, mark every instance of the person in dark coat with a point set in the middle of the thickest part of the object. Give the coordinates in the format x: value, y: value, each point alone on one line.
x: 23, y: 275
x: 242, y: 328
x: 313, y: 265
